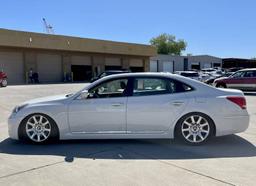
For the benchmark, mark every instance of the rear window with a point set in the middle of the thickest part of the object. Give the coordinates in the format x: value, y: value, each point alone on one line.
x: 176, y: 87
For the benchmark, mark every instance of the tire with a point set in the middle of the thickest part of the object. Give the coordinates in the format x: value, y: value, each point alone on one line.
x: 195, y: 129
x: 4, y: 83
x: 221, y: 85
x: 38, y: 128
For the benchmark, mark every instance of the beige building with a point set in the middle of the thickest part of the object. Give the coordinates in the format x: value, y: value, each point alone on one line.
x: 58, y: 58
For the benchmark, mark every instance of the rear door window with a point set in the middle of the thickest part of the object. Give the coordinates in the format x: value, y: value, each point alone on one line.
x: 149, y: 86
x: 157, y: 86
x: 250, y: 74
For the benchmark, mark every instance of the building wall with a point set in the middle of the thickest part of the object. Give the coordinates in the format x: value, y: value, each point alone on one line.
x: 55, y: 66
x: 20, y: 39
x: 204, y: 61
x: 178, y: 63
x: 49, y: 67
x: 12, y: 63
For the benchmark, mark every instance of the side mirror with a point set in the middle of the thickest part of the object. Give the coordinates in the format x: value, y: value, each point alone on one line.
x: 83, y: 95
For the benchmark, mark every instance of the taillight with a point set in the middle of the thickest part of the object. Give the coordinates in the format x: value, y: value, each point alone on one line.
x: 240, y: 101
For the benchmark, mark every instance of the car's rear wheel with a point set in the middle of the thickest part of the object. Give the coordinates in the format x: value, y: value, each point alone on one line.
x: 4, y: 83
x: 38, y: 128
x: 194, y: 128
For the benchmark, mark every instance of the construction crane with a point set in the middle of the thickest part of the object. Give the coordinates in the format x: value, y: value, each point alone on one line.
x: 48, y: 28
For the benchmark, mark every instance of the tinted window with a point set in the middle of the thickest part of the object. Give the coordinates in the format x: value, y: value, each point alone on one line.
x: 114, y: 88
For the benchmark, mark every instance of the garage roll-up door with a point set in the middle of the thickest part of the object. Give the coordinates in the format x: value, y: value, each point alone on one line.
x: 49, y: 68
x: 12, y: 64
x: 167, y: 66
x: 136, y: 62
x: 113, y: 61
x: 81, y: 60
x: 153, y: 66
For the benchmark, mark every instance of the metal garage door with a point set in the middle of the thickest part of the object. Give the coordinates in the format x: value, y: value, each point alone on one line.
x: 153, y: 66
x: 136, y: 62
x: 167, y: 66
x: 12, y: 64
x: 49, y: 68
x: 81, y: 60
x: 113, y: 63
x: 136, y: 65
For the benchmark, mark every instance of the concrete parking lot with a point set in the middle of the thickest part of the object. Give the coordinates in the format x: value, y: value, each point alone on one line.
x: 229, y: 160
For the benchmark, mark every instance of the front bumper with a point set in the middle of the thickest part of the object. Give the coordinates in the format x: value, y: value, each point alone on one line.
x: 13, y: 127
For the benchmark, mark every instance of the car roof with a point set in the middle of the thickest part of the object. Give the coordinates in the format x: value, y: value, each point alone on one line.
x: 148, y: 74
x: 208, y: 69
x: 248, y: 69
x: 144, y: 74
x: 186, y: 72
x: 116, y: 71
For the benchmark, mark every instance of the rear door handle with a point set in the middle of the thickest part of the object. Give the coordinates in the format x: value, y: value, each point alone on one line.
x: 178, y: 103
x: 117, y: 104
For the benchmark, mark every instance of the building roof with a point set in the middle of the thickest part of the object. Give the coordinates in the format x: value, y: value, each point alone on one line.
x: 238, y: 60
x: 21, y: 39
x: 171, y: 57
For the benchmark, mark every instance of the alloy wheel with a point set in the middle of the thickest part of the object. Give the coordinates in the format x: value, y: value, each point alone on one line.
x: 38, y: 128
x: 195, y: 129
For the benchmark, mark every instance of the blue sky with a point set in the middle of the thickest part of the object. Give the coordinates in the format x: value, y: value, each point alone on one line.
x: 224, y: 28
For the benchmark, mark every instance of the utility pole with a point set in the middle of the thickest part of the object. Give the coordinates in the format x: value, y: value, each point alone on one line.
x: 48, y: 28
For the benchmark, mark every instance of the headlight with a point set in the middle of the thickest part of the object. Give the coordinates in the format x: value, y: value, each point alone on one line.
x: 18, y: 108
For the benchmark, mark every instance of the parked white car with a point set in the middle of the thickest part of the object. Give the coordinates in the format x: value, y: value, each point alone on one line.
x: 212, y: 71
x: 190, y: 74
x: 133, y: 105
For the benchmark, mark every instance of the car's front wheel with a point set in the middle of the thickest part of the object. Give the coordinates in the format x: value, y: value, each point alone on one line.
x: 38, y: 128
x: 194, y: 128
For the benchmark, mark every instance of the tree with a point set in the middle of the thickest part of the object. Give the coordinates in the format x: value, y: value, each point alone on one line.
x: 167, y: 44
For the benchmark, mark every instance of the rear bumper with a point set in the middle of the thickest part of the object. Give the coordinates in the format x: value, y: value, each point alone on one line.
x: 231, y: 124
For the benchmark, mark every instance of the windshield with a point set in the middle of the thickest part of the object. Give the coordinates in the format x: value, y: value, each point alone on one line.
x: 237, y: 74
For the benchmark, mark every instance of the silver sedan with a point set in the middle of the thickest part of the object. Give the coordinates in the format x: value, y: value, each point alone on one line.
x: 133, y: 105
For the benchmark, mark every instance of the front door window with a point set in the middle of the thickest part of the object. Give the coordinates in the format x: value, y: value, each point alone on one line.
x: 115, y: 88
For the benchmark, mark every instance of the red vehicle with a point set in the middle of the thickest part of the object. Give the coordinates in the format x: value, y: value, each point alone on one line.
x: 3, y: 79
x: 243, y: 79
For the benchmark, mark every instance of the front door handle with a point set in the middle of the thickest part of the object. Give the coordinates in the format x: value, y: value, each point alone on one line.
x: 117, y: 104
